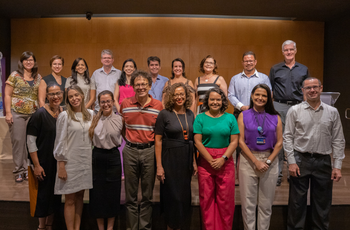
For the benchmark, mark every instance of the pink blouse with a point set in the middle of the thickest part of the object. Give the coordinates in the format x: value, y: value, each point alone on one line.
x: 125, y: 91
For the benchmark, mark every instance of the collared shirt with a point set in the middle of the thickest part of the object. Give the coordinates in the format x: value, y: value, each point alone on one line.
x: 157, y: 87
x: 140, y: 121
x: 241, y: 87
x: 314, y: 131
x: 104, y: 81
x: 286, y: 83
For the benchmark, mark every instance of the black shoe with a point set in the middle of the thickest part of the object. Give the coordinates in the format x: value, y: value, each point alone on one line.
x: 279, y: 181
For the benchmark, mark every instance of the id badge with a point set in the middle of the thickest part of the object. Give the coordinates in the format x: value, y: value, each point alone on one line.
x: 260, y: 140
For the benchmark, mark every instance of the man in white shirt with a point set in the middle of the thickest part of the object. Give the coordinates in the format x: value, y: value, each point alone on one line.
x: 105, y: 77
x: 313, y: 131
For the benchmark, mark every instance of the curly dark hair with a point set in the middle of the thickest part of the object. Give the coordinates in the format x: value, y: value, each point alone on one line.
x: 170, y: 103
x: 223, y: 99
x: 201, y: 69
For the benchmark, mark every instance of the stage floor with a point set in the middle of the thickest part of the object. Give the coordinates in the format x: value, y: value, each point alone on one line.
x: 12, y: 191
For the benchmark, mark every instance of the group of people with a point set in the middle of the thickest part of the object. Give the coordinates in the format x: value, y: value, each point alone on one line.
x: 172, y: 129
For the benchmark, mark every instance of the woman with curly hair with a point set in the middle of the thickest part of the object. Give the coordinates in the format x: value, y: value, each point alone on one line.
x: 216, y: 138
x: 208, y: 80
x: 175, y: 155
x: 80, y: 77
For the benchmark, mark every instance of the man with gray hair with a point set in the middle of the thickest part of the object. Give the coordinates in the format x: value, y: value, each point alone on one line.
x: 313, y: 131
x: 286, y: 79
x: 105, y: 77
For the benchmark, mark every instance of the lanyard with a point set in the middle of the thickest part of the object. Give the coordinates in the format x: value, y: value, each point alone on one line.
x: 260, y: 128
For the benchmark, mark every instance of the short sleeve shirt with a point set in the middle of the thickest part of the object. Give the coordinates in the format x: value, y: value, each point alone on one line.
x: 216, y: 132
x: 24, y: 98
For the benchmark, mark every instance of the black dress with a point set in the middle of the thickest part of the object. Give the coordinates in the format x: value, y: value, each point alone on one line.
x: 43, y: 126
x: 177, y: 161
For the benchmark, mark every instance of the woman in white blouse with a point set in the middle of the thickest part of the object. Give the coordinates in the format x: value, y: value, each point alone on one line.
x: 80, y: 77
x: 105, y: 133
x: 73, y: 153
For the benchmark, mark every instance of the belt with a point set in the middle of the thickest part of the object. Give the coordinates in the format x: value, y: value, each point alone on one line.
x: 140, y: 146
x: 290, y: 102
x: 316, y: 155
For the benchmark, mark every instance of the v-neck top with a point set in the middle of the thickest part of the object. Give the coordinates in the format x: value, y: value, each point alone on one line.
x: 24, y: 98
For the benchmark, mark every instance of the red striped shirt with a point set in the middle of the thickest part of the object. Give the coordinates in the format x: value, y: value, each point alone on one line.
x: 140, y: 121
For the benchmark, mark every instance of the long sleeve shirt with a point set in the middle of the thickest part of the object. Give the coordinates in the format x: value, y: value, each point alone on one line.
x: 241, y: 87
x: 314, y: 131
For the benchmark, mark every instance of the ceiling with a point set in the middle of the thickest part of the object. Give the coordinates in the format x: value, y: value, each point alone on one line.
x: 305, y: 10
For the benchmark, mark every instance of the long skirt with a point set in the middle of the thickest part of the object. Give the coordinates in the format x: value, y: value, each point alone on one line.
x: 175, y: 193
x: 105, y: 194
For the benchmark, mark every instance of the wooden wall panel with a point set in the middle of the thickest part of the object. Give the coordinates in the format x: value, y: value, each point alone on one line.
x: 169, y: 38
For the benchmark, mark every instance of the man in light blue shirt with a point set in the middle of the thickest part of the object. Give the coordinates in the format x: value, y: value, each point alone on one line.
x: 159, y: 81
x: 241, y: 85
x: 105, y: 77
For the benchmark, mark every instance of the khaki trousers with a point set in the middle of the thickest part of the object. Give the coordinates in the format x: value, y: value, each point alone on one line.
x: 257, y: 188
x: 18, y: 139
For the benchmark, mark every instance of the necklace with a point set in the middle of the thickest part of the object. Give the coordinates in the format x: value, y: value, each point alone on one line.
x: 184, y: 132
x: 82, y: 124
x: 207, y: 79
x: 53, y: 114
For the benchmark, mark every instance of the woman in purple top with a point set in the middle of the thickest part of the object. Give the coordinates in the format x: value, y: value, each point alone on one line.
x: 260, y: 140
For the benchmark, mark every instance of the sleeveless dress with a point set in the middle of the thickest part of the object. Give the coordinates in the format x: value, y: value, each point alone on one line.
x: 202, y: 89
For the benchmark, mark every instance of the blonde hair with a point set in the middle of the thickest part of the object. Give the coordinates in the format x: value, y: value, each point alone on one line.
x: 84, y: 111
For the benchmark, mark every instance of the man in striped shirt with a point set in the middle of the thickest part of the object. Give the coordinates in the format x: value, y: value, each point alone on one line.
x: 139, y: 114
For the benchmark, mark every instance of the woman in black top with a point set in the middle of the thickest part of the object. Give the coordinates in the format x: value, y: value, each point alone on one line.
x: 56, y: 64
x: 175, y: 155
x: 41, y: 134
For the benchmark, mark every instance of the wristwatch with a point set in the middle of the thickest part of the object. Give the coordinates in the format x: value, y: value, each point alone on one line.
x: 268, y: 162
x: 225, y: 157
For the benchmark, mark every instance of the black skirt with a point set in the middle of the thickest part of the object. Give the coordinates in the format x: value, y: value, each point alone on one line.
x: 175, y: 193
x: 105, y: 194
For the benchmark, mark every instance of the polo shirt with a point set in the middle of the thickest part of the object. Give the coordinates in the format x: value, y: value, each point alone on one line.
x: 140, y: 121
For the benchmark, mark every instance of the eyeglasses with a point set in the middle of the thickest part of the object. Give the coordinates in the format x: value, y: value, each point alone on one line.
x: 106, y: 102
x: 315, y: 87
x: 250, y: 61
x: 209, y: 63
x: 28, y: 60
x: 179, y: 95
x: 58, y: 94
x: 143, y: 85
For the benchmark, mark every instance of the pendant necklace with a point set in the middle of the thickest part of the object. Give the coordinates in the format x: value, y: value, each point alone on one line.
x: 184, y: 131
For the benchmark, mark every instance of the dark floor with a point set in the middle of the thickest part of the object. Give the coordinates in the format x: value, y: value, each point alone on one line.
x: 15, y: 216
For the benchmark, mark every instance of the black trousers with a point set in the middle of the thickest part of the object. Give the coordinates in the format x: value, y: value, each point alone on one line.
x: 316, y: 171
